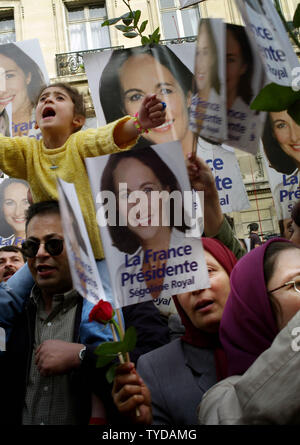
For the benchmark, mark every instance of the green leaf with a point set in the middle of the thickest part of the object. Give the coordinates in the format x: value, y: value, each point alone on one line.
x: 143, y: 26
x: 156, y: 32
x: 130, y: 35
x: 103, y: 360
x: 137, y: 16
x: 127, y: 22
x: 127, y: 15
x: 275, y: 97
x: 111, y: 21
x: 110, y: 347
x: 124, y: 28
x: 110, y: 374
x: 296, y: 19
x: 294, y: 111
x: 145, y: 40
x: 130, y: 338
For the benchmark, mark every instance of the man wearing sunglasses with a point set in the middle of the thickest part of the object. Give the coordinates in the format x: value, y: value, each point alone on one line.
x: 48, y: 373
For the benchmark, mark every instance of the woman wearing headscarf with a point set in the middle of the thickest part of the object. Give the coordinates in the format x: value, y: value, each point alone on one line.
x: 260, y: 335
x: 178, y: 374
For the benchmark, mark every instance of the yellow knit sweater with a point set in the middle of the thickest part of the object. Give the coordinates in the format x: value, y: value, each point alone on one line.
x: 29, y: 159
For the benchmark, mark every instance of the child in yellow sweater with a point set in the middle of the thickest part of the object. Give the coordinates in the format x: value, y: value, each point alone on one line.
x: 60, y: 114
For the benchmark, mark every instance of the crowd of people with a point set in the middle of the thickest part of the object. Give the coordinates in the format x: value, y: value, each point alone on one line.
x: 223, y: 355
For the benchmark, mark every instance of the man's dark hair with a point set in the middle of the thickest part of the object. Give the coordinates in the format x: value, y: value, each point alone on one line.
x: 12, y: 249
x: 42, y: 208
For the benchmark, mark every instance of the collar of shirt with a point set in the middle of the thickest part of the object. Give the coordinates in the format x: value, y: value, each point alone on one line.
x: 60, y: 302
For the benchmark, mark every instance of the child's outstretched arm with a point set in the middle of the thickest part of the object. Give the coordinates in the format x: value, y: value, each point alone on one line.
x: 150, y: 115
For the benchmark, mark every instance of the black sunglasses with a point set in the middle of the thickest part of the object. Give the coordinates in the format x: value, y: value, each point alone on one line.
x: 53, y: 246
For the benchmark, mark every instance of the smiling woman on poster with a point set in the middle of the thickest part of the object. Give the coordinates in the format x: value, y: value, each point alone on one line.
x: 281, y: 140
x: 242, y: 84
x: 132, y: 73
x: 158, y: 255
x: 13, y: 205
x: 208, y: 111
x: 23, y: 82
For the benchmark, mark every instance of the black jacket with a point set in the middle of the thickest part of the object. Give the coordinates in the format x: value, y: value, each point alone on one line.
x: 15, y: 366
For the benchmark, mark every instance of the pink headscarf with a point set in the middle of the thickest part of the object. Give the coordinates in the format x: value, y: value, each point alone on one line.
x: 197, y: 337
x: 248, y: 326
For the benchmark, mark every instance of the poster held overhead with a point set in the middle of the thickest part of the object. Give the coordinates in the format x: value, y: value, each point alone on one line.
x: 119, y: 80
x: 208, y: 116
x: 83, y: 266
x: 266, y: 30
x: 229, y: 182
x: 25, y: 59
x: 245, y: 77
x: 148, y: 256
x: 281, y: 144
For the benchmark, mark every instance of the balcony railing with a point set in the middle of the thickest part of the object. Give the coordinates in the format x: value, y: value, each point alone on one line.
x: 178, y: 40
x: 71, y: 63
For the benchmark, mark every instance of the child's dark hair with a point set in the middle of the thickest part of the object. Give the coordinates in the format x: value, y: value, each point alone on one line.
x: 76, y: 97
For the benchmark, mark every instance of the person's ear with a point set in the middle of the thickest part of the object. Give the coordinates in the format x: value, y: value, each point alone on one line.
x: 78, y: 121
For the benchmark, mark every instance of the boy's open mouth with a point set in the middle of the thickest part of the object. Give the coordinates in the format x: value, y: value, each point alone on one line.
x: 48, y: 112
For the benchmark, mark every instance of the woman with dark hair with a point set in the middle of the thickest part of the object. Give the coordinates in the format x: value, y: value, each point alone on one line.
x: 281, y: 141
x: 239, y: 65
x: 258, y: 334
x: 132, y: 73
x: 23, y: 82
x: 208, y: 110
x: 13, y: 205
x: 150, y: 236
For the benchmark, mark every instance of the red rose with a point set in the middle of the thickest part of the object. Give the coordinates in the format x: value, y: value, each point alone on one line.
x: 103, y: 312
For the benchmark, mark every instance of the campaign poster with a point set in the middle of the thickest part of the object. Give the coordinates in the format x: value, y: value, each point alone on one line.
x: 83, y: 266
x: 145, y: 227
x: 266, y: 29
x: 120, y: 79
x: 13, y: 205
x: 245, y: 77
x: 208, y: 116
x: 281, y: 151
x: 25, y: 75
x: 224, y: 166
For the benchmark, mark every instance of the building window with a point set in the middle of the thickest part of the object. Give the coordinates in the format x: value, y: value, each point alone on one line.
x: 85, y: 31
x: 7, y: 26
x: 178, y: 23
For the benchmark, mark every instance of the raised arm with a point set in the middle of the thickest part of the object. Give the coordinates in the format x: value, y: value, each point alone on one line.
x: 151, y: 114
x: 215, y: 224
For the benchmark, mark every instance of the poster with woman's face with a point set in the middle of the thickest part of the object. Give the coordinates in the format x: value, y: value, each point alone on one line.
x: 266, y: 30
x: 24, y: 74
x: 281, y: 150
x: 119, y: 81
x: 145, y: 229
x: 229, y: 182
x: 245, y: 78
x: 13, y: 205
x: 82, y: 263
x: 208, y: 117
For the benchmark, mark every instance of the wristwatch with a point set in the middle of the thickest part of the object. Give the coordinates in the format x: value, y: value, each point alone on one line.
x: 81, y: 353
